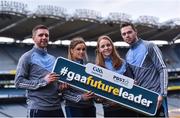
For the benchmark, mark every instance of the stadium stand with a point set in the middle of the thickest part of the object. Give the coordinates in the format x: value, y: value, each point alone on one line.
x: 16, y: 50
x: 7, y: 62
x: 10, y: 54
x: 171, y: 58
x: 176, y: 49
x: 17, y: 21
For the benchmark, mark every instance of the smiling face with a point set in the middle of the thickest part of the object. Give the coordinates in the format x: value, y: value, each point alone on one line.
x: 128, y: 34
x: 105, y: 47
x: 78, y: 52
x: 41, y: 38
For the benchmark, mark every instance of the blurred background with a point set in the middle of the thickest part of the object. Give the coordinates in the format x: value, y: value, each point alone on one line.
x: 156, y: 21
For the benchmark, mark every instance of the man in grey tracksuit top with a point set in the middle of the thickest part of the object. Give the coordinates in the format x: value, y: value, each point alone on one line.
x: 34, y: 74
x: 148, y: 66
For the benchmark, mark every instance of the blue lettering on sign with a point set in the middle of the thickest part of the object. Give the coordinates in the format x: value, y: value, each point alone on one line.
x: 97, y: 69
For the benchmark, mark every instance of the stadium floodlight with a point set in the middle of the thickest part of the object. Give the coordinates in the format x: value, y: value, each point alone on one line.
x: 117, y: 17
x: 6, y: 40
x: 51, y: 11
x: 148, y: 20
x: 121, y: 44
x: 87, y: 15
x: 13, y: 7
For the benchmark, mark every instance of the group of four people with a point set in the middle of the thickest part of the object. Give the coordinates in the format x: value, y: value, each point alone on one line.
x: 143, y: 63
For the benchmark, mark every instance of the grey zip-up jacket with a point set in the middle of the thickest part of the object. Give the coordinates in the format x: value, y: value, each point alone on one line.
x: 73, y: 96
x: 33, y: 66
x: 148, y: 66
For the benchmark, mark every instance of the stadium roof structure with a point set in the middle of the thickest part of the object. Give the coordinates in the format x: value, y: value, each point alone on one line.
x: 16, y: 21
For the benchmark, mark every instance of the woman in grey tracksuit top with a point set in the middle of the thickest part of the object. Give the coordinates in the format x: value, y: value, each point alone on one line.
x: 78, y: 103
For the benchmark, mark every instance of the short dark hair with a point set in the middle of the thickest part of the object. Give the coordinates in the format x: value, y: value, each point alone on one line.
x: 39, y: 27
x: 125, y: 24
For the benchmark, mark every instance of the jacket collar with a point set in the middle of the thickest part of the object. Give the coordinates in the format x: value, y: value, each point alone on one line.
x: 40, y: 50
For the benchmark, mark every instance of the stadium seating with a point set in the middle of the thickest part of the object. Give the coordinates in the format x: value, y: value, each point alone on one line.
x: 171, y: 57
x: 10, y: 54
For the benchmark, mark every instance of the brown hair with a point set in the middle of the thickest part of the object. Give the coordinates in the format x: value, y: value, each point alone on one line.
x: 116, y: 60
x: 38, y: 27
x: 125, y: 24
x: 75, y: 41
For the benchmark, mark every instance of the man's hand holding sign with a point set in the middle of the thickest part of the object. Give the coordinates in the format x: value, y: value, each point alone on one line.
x: 107, y: 84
